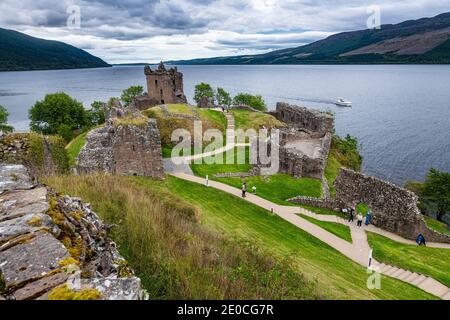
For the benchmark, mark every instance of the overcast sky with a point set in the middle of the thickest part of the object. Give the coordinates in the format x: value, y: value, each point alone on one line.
x: 152, y: 30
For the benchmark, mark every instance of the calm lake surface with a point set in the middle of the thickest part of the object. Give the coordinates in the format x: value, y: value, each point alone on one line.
x: 400, y: 114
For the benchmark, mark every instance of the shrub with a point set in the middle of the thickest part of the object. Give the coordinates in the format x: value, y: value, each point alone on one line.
x: 128, y: 95
x: 223, y: 98
x: 57, y: 114
x: 203, y: 90
x: 4, y: 119
x: 96, y: 114
x: 256, y: 102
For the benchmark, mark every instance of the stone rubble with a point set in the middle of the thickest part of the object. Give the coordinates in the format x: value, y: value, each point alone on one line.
x: 48, y: 241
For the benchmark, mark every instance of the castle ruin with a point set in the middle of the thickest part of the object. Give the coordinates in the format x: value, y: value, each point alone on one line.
x: 306, y: 142
x: 164, y: 86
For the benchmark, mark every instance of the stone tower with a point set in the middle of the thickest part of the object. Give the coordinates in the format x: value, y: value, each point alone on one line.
x: 164, y: 86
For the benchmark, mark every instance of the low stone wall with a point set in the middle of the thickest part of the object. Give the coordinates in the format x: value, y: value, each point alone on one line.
x: 243, y: 107
x: 54, y: 247
x: 297, y: 164
x: 255, y: 171
x: 42, y: 155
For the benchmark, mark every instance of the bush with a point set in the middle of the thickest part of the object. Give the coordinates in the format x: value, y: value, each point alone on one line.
x: 4, y: 119
x: 128, y: 95
x: 347, y: 152
x: 58, y: 114
x: 96, y: 115
x: 203, y: 90
x: 223, y: 98
x: 256, y: 102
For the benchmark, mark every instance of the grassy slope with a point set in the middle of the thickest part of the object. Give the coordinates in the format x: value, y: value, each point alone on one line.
x: 204, y: 169
x: 245, y: 120
x: 337, y: 229
x: 436, y: 225
x: 433, y: 262
x: 210, y: 120
x: 280, y: 187
x: 159, y: 261
x: 338, y: 276
x: 177, y: 257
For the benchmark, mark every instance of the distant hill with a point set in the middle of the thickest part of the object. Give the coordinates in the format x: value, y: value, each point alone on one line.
x: 20, y: 52
x: 426, y: 40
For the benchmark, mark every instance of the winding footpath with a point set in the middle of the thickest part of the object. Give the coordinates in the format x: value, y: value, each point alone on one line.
x: 358, y: 251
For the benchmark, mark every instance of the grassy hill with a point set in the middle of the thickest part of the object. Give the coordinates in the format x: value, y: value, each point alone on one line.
x: 20, y: 52
x: 191, y: 242
x: 425, y: 40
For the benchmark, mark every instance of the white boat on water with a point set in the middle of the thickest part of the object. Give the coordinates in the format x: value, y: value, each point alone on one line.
x: 343, y: 103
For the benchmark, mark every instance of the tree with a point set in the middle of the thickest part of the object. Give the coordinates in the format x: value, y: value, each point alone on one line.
x: 96, y: 115
x: 57, y: 114
x: 203, y: 90
x: 4, y: 114
x: 223, y: 98
x: 128, y: 95
x: 436, y: 190
x: 256, y: 102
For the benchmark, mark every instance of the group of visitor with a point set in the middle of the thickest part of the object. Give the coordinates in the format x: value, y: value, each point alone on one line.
x: 359, y: 216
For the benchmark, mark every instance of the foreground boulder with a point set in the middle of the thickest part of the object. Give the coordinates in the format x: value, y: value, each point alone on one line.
x: 54, y: 247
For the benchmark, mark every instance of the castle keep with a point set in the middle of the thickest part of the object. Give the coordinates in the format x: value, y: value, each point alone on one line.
x: 164, y: 86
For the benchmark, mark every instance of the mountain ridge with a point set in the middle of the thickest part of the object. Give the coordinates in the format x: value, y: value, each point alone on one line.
x: 335, y: 49
x: 21, y: 52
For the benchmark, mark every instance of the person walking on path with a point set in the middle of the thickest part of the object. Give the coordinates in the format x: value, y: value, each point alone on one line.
x: 368, y: 217
x: 244, y: 189
x: 207, y: 181
x: 360, y: 219
x: 351, y: 215
x: 421, y: 240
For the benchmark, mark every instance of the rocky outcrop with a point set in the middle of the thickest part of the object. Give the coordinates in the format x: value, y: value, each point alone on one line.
x: 128, y: 144
x: 54, y: 247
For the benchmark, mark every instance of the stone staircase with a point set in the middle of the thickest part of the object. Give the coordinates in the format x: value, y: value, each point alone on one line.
x: 419, y: 280
x: 230, y: 128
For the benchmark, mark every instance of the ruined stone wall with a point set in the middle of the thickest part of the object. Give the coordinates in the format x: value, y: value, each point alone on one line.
x: 394, y: 208
x: 130, y: 146
x: 42, y: 155
x: 317, y: 123
x: 164, y: 86
x: 54, y: 247
x: 297, y: 164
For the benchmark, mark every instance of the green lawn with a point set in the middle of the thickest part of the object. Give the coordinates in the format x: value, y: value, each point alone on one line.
x: 436, y: 225
x: 337, y: 229
x: 74, y: 148
x: 433, y: 262
x: 324, y: 211
x: 337, y: 276
x: 204, y: 169
x: 245, y: 120
x: 180, y: 109
x: 280, y: 187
